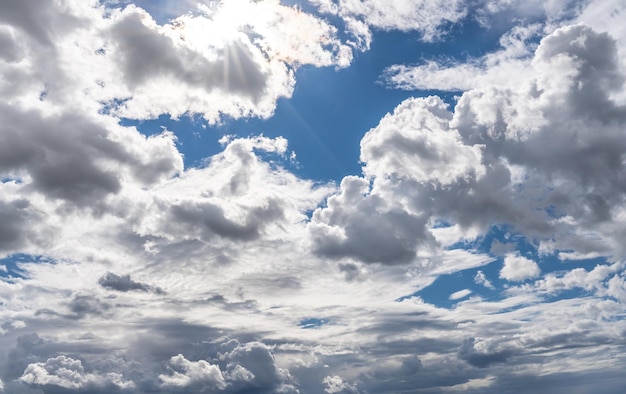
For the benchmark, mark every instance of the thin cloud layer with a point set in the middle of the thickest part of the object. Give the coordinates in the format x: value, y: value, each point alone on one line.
x: 453, y: 262
x: 360, y: 17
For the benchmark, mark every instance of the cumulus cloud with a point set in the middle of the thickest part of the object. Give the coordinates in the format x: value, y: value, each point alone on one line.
x: 344, y: 228
x: 81, y: 159
x: 497, y: 159
x: 225, y: 60
x: 198, y: 375
x: 424, y: 148
x: 510, y: 165
x: 336, y: 385
x: 518, y: 126
x: 518, y: 268
x: 232, y: 58
x: 69, y: 373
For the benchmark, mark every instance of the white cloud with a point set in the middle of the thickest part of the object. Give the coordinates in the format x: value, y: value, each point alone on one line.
x: 68, y: 373
x: 336, y: 385
x: 518, y: 268
x: 416, y: 142
x: 196, y: 374
x: 481, y: 279
x: 492, y: 69
x: 234, y: 59
x: 457, y: 295
x: 427, y: 17
x: 552, y: 10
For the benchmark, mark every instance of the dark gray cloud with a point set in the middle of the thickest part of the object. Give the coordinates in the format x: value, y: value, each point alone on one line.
x: 483, y: 357
x: 40, y: 21
x: 219, y: 299
x: 10, y: 49
x: 17, y: 222
x: 367, y: 227
x: 601, y: 381
x: 70, y: 156
x: 124, y: 283
x: 85, y: 305
x: 207, y: 219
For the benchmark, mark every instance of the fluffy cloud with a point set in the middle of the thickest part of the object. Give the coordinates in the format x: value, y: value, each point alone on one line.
x: 232, y: 58
x: 81, y: 159
x: 68, y: 373
x: 424, y: 147
x: 345, y: 229
x: 529, y: 127
x: 336, y: 385
x: 199, y: 375
x: 497, y: 159
x: 227, y: 60
x: 240, y: 368
x: 519, y: 268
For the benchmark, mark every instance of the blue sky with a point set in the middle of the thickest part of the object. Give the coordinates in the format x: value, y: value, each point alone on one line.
x: 320, y: 196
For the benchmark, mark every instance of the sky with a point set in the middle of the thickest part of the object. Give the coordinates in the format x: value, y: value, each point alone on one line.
x: 312, y: 196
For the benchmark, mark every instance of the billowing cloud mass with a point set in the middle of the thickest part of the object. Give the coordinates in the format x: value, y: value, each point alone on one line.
x: 479, y: 249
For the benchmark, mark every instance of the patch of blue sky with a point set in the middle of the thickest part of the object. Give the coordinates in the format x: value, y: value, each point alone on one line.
x: 162, y: 11
x: 10, y: 267
x: 312, y: 322
x: 192, y: 138
x: 498, y: 242
x: 330, y: 109
x: 10, y: 180
x: 440, y: 292
x: 109, y: 107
